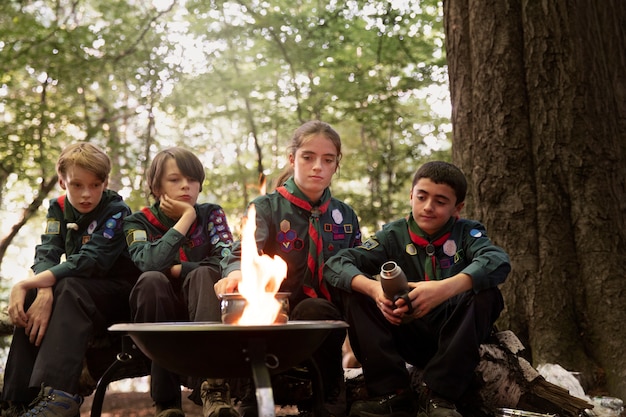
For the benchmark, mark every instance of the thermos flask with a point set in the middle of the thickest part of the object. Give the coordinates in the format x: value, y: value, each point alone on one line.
x: 393, y: 280
x: 395, y: 285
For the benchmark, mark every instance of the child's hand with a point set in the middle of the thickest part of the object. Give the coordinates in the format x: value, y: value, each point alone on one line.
x: 16, y: 305
x: 228, y: 284
x: 175, y: 209
x: 388, y: 308
x: 425, y: 296
x: 39, y: 315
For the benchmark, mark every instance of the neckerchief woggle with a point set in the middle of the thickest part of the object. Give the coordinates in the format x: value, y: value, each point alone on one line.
x: 315, y: 259
x: 430, y: 245
x: 82, y: 221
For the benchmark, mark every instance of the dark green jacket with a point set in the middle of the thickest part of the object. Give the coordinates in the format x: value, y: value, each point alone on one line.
x: 282, y: 229
x: 470, y: 251
x: 95, y: 250
x: 155, y: 246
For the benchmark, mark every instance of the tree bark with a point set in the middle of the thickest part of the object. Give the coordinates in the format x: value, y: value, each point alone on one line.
x: 539, y: 102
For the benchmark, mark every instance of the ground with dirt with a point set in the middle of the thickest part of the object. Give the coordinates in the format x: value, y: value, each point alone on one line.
x: 139, y: 404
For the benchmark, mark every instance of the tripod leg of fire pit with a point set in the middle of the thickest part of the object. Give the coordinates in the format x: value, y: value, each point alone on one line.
x: 261, y: 377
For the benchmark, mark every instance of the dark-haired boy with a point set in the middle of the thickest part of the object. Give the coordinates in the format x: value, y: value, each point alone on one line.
x: 454, y: 271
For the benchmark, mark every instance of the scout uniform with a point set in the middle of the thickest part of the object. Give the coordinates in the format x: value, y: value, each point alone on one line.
x: 445, y: 342
x: 283, y: 228
x: 91, y: 293
x: 155, y: 246
x: 286, y: 225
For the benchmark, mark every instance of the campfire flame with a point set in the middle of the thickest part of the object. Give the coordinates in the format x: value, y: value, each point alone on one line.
x: 261, y: 277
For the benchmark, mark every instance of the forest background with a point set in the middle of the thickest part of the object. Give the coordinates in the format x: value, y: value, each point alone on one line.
x: 537, y: 124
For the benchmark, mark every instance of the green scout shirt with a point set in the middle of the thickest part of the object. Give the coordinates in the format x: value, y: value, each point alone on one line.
x: 155, y: 246
x: 282, y: 229
x: 95, y: 250
x: 467, y: 250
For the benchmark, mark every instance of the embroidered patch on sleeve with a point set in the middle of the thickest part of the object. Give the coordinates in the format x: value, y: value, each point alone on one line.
x: 136, y: 236
x: 53, y: 227
x: 370, y: 244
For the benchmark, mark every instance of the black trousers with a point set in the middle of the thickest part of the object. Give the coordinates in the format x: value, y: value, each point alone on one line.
x: 445, y: 343
x: 328, y: 357
x: 156, y: 298
x: 83, y: 309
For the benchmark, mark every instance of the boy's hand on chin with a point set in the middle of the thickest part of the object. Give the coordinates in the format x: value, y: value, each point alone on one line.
x: 174, y: 209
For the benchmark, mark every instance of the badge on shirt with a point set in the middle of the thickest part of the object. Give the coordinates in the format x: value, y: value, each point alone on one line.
x: 411, y: 249
x: 370, y: 244
x: 449, y: 247
x: 337, y: 216
x: 92, y: 226
x: 136, y: 236
x: 109, y: 228
x: 53, y: 227
x: 287, y: 237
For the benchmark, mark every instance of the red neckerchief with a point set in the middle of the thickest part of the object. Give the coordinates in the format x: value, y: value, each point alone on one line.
x: 315, y: 260
x: 430, y: 267
x: 157, y: 223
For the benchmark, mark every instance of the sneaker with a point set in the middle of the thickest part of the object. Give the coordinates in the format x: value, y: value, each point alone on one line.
x: 399, y: 404
x: 54, y: 403
x: 216, y: 401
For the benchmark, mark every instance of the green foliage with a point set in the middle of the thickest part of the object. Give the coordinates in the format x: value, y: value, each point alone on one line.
x: 230, y: 80
x: 360, y: 66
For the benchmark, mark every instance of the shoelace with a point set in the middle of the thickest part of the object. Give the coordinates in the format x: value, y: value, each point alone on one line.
x: 38, y: 404
x: 441, y: 403
x: 387, y: 398
x: 216, y: 396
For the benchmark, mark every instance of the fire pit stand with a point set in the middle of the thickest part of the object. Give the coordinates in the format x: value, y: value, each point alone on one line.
x: 216, y: 350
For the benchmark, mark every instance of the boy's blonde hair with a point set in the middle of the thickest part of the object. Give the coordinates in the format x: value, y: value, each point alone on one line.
x: 86, y: 156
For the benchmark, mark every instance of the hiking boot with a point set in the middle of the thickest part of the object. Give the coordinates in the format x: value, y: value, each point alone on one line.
x: 216, y: 401
x: 397, y: 404
x: 54, y: 403
x: 169, y: 410
x: 249, y: 406
x: 14, y: 410
x: 433, y: 405
x: 438, y: 407
x: 335, y: 402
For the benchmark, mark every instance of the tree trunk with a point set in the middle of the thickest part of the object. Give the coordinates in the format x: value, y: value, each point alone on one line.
x: 539, y: 102
x: 44, y: 189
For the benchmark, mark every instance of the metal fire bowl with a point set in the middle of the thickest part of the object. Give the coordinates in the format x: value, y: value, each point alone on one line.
x: 212, y: 349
